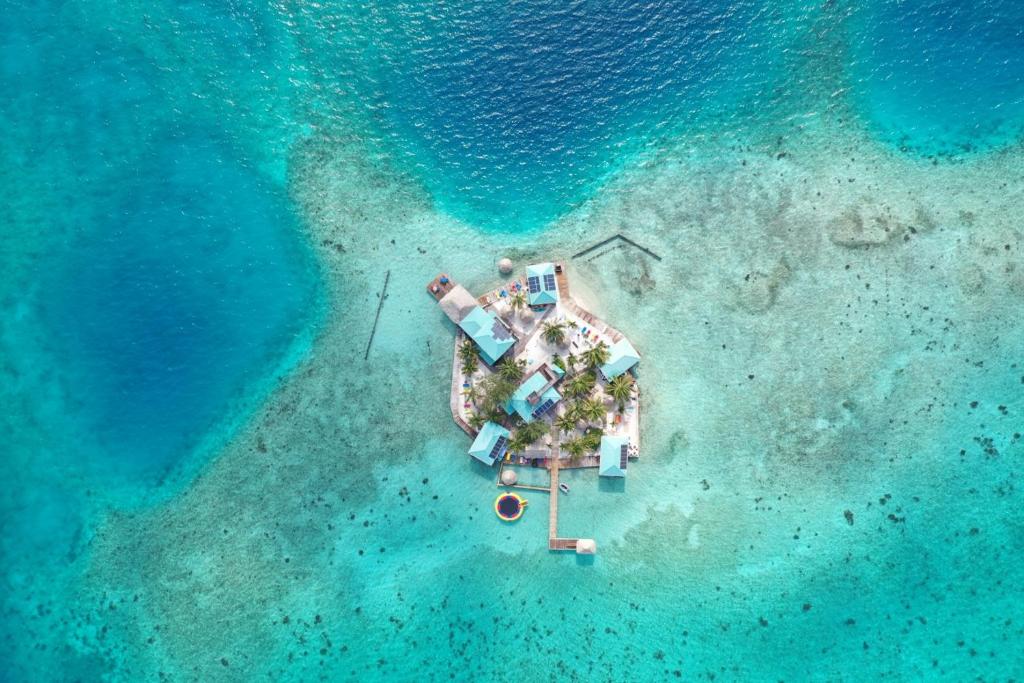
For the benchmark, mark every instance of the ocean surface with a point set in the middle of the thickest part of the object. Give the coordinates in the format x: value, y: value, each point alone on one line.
x: 213, y: 472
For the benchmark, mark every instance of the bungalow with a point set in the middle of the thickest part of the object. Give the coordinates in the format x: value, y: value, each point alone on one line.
x: 614, y: 456
x: 536, y: 395
x: 490, y: 444
x: 489, y: 332
x: 621, y: 357
x: 540, y: 281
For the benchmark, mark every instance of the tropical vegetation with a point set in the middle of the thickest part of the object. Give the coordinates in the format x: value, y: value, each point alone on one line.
x: 597, y: 355
x: 511, y: 369
x: 554, y: 333
x: 469, y: 358
x: 579, y: 385
x: 566, y: 422
x: 620, y: 388
x: 495, y: 391
x: 591, y: 409
x: 526, y: 435
x: 517, y: 301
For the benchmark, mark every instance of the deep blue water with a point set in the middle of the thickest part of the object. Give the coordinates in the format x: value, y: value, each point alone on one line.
x: 189, y: 287
x: 511, y: 113
x: 169, y: 277
x: 941, y: 76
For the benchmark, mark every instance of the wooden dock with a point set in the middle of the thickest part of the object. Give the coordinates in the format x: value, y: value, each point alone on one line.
x: 439, y: 286
x: 562, y: 279
x: 554, y: 541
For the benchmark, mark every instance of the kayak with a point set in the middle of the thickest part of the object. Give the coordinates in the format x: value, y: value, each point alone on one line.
x: 564, y: 487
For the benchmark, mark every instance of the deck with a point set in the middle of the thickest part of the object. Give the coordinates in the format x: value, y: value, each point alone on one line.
x: 437, y: 289
x: 554, y: 541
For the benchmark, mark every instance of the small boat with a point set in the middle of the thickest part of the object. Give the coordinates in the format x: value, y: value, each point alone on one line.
x: 563, y: 487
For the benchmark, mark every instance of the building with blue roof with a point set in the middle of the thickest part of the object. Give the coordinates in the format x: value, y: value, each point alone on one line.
x: 541, y: 284
x: 490, y: 444
x: 536, y: 395
x: 489, y: 332
x: 614, y: 456
x: 621, y: 357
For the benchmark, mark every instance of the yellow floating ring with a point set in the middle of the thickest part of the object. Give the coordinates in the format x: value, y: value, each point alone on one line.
x: 509, y: 507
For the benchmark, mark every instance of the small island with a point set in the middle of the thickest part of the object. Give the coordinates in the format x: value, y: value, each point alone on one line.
x: 538, y: 381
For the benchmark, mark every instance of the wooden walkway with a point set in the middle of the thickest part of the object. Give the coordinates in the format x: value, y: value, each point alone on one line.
x: 554, y: 541
x: 562, y: 279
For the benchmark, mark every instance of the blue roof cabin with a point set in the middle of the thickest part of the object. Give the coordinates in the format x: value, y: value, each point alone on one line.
x: 621, y: 357
x: 614, y: 456
x: 540, y: 282
x: 536, y: 395
x: 489, y: 332
x: 490, y: 444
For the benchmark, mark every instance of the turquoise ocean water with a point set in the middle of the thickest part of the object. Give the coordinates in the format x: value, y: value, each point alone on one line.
x: 210, y: 476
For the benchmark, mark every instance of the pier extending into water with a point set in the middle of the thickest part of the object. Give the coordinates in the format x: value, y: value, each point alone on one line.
x: 555, y: 542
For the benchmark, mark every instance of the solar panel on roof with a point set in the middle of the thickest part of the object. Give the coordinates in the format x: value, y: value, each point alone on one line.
x: 533, y: 282
x: 498, y: 331
x: 543, y: 408
x: 549, y: 282
x: 499, y: 448
x: 624, y: 456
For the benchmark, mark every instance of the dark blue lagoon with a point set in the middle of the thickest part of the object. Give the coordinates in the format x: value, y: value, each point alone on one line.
x: 189, y: 287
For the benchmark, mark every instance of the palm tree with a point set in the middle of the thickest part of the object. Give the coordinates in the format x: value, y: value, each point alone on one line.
x: 511, y: 369
x: 592, y: 409
x: 591, y: 440
x: 472, y: 394
x: 566, y: 422
x: 467, y: 350
x: 570, y: 362
x: 575, y: 447
x: 468, y: 356
x: 476, y: 420
x: 597, y: 355
x: 572, y: 411
x: 526, y: 435
x: 579, y: 385
x: 554, y: 333
x: 532, y: 432
x: 517, y: 444
x: 517, y: 301
x: 620, y: 389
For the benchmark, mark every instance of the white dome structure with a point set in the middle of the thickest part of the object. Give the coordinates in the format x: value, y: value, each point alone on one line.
x: 508, y: 477
x: 505, y: 266
x: 586, y: 546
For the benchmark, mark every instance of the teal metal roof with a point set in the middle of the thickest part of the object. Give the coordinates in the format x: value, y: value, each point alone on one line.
x: 546, y: 284
x: 621, y: 357
x: 612, y: 459
x: 489, y: 333
x: 519, y: 403
x: 486, y: 446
